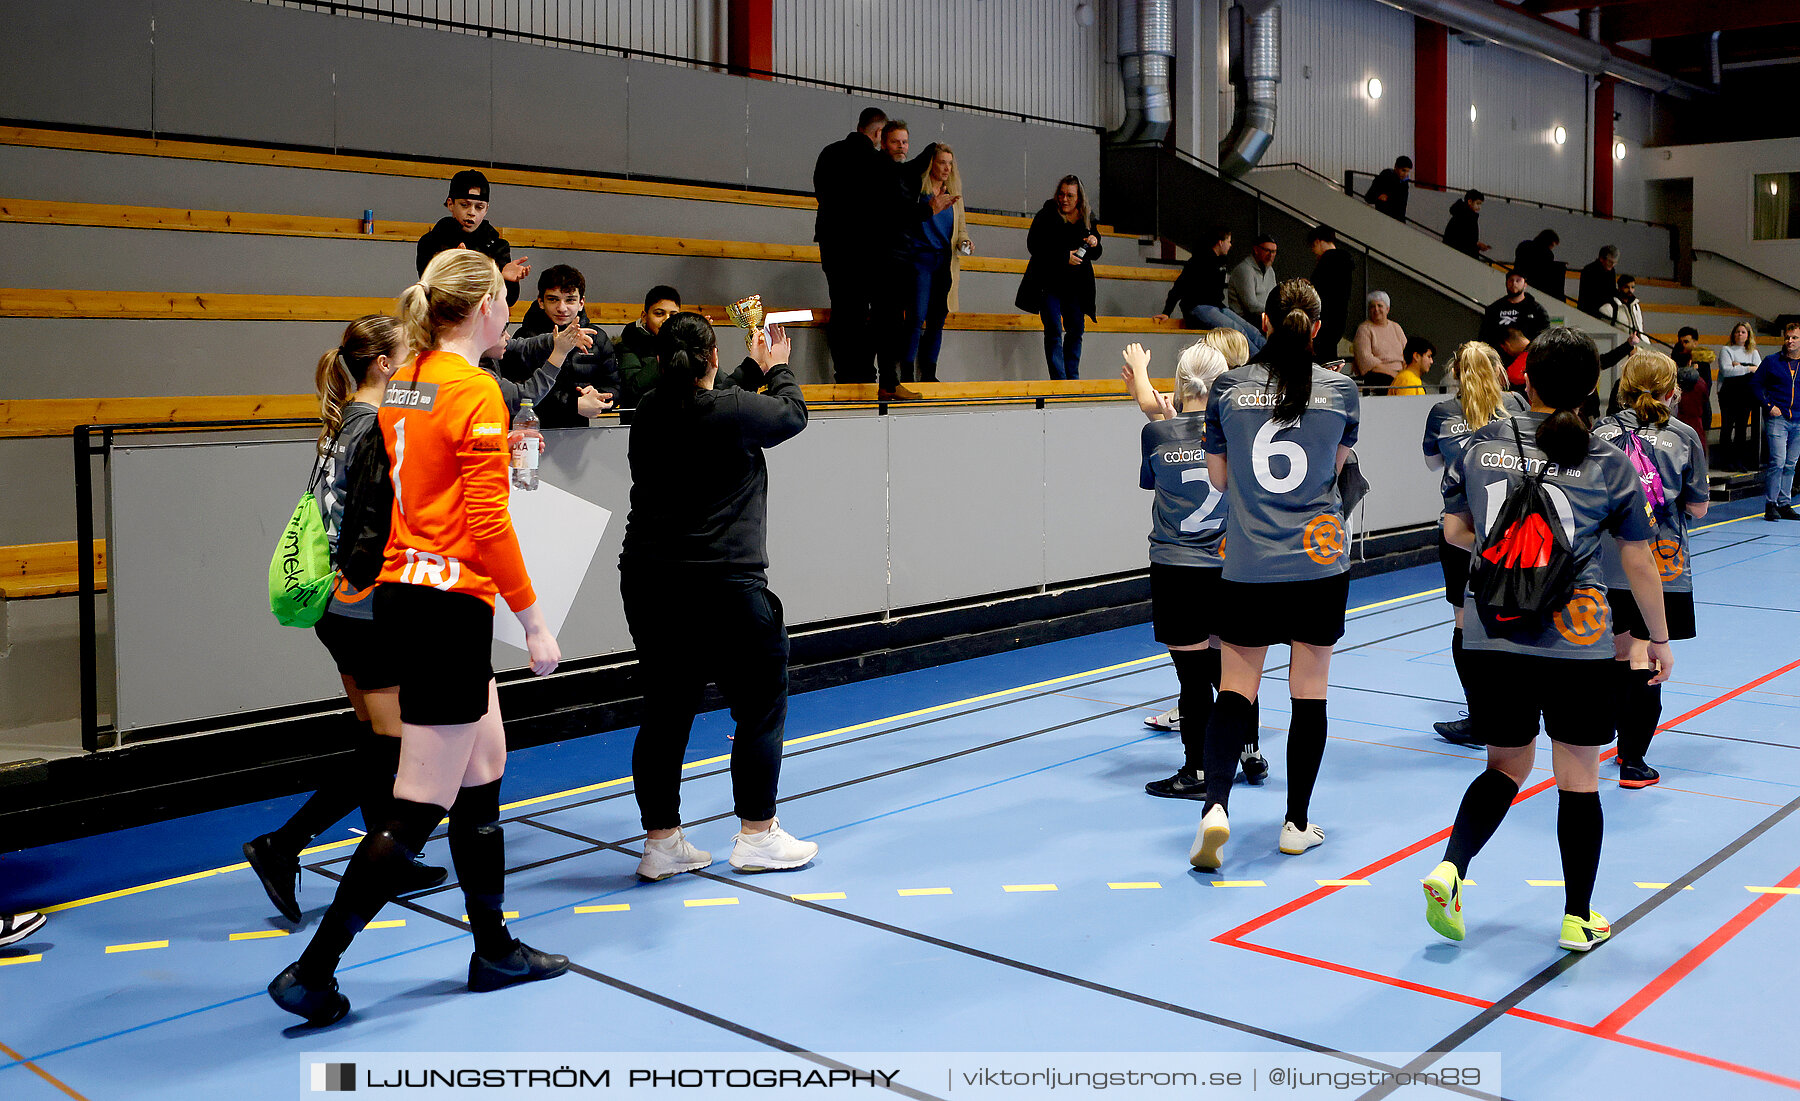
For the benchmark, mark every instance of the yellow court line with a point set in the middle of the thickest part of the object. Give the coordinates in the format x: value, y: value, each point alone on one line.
x: 1661, y: 886
x: 394, y: 923
x: 908, y: 892
x: 1017, y: 888
x: 260, y: 934
x: 1135, y: 886
x: 140, y: 946
x: 1342, y: 882
x: 535, y: 800
x: 33, y: 958
x: 1773, y: 890
x: 820, y: 896
x: 1544, y: 883
x: 710, y: 902
x: 609, y: 908
x: 1239, y: 883
x: 1720, y: 524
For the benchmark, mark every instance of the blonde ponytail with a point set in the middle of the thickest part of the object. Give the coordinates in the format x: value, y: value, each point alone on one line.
x: 1481, y: 383
x: 451, y: 289
x: 1645, y: 378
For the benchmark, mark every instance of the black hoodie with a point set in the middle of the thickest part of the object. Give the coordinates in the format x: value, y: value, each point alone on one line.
x: 597, y: 367
x: 448, y: 233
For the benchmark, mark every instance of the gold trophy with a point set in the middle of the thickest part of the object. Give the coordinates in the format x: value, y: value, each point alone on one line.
x: 747, y: 314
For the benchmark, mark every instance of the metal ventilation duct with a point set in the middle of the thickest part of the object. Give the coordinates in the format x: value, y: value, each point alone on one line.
x: 1253, y: 119
x: 1146, y: 65
x: 1512, y: 28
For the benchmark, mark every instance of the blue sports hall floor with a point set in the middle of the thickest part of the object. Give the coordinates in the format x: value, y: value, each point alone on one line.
x: 992, y: 877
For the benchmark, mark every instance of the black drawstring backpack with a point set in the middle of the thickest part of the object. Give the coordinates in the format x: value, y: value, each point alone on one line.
x: 1526, y: 574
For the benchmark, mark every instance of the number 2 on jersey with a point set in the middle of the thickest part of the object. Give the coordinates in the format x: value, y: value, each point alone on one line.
x: 1204, y: 517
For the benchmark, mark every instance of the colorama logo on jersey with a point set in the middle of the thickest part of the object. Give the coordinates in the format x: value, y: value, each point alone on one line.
x: 1670, y: 562
x: 1525, y: 546
x: 333, y: 1077
x: 1324, y: 539
x: 1584, y: 619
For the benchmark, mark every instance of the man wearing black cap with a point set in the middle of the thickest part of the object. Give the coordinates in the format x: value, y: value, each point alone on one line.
x: 467, y: 227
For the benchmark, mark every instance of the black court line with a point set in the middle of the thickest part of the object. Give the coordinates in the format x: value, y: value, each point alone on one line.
x: 1725, y: 738
x: 738, y: 883
x: 1750, y: 607
x: 1486, y: 1017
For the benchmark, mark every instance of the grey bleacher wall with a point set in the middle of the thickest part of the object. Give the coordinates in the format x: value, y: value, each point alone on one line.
x: 259, y: 73
x: 1644, y: 250
x: 867, y: 515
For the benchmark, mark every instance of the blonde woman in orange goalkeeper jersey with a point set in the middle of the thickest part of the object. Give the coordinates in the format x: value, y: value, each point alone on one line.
x: 450, y: 551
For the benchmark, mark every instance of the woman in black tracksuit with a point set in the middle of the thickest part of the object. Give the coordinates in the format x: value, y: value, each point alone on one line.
x: 693, y: 573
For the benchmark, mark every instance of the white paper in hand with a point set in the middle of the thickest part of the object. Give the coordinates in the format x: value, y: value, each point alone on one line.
x: 559, y: 534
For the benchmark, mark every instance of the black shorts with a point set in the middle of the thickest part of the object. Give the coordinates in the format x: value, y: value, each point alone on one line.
x: 1184, y: 603
x: 1509, y: 691
x: 1270, y: 613
x: 355, y: 645
x: 1455, y: 561
x: 1627, y: 620
x: 442, y: 644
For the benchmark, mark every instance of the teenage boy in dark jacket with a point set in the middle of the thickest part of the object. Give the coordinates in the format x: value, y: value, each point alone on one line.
x: 1463, y: 233
x: 560, y: 304
x: 467, y: 227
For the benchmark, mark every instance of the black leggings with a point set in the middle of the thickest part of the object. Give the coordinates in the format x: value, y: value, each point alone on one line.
x: 693, y: 627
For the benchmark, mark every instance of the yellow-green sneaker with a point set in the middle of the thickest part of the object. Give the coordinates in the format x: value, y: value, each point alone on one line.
x: 1579, y: 935
x: 1443, y: 900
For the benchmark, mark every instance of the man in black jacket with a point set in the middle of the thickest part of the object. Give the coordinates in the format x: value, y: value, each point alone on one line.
x: 1598, y: 282
x: 1464, y: 231
x: 1199, y: 291
x: 467, y: 227
x: 850, y: 179
x: 1331, y: 278
x: 1516, y: 310
x: 1389, y: 190
x: 590, y: 371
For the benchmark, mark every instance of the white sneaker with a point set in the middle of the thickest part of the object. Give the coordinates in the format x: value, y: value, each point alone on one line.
x: 1209, y: 841
x: 1168, y: 720
x: 773, y: 850
x: 1295, y: 841
x: 671, y: 856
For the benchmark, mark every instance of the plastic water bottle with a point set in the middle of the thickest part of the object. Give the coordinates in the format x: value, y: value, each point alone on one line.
x: 368, y: 222
x: 527, y: 442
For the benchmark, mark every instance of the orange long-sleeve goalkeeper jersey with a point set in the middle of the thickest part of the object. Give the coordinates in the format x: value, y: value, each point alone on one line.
x: 445, y: 427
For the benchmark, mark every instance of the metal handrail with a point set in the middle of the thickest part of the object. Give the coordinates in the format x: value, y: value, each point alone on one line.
x: 333, y: 7
x: 1539, y: 203
x: 1739, y: 263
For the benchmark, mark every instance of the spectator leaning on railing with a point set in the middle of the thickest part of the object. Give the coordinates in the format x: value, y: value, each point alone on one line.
x: 1388, y: 190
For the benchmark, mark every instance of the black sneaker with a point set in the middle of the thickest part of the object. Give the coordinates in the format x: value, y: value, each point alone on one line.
x: 16, y: 927
x: 320, y: 1005
x: 1189, y: 783
x: 1786, y: 512
x: 1769, y: 514
x: 279, y: 872
x: 416, y: 875
x: 523, y: 964
x: 1255, y: 765
x: 1459, y: 732
x: 1637, y: 774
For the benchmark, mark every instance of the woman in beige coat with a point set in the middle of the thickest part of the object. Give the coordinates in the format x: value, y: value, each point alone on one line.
x: 931, y: 252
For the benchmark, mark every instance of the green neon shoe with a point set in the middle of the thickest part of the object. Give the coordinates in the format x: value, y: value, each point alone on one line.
x: 1443, y: 900
x: 1579, y: 935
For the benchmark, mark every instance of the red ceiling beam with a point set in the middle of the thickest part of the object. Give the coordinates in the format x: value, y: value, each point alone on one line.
x: 750, y: 43
x: 1662, y: 19
x: 1431, y: 100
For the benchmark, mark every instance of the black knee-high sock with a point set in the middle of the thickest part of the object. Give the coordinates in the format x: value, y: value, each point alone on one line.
x: 1484, y: 805
x: 1224, y: 742
x: 1196, y: 705
x: 478, y: 845
x: 1639, y: 711
x: 341, y: 793
x: 1253, y: 736
x: 377, y: 760
x: 1306, y: 749
x: 1579, y: 826
x: 1211, y: 659
x: 1459, y: 657
x: 368, y: 883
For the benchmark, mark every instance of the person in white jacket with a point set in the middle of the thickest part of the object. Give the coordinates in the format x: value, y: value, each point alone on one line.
x: 1626, y: 311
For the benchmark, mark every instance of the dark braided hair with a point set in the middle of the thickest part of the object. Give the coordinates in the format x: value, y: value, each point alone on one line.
x: 685, y: 345
x: 1564, y: 367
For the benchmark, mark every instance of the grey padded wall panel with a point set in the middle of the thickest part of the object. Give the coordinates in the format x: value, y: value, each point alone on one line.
x: 558, y: 109
x: 1052, y: 152
x: 686, y: 124
x: 1096, y: 519
x: 966, y: 496
x: 788, y: 125
x: 191, y: 615
x: 278, y: 90
x: 63, y: 68
x: 37, y: 489
x: 1402, y: 491
x: 94, y: 357
x: 415, y: 92
x: 828, y: 526
x: 990, y: 160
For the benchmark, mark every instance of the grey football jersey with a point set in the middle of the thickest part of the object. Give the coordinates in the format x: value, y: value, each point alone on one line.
x: 1682, y: 463
x: 360, y: 419
x: 1187, y: 518
x: 1284, y: 522
x: 1447, y: 432
x: 1597, y: 498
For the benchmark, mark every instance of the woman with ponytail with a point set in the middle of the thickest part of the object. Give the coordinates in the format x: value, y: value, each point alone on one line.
x: 1481, y: 397
x: 1645, y: 430
x: 1554, y: 672
x: 450, y: 551
x: 693, y: 574
x: 351, y: 380
x: 1277, y: 432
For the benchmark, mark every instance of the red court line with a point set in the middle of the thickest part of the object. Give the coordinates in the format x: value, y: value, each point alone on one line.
x: 41, y: 1072
x: 1685, y: 966
x: 1234, y: 937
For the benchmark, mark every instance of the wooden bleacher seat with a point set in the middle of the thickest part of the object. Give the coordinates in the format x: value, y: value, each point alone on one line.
x: 46, y: 569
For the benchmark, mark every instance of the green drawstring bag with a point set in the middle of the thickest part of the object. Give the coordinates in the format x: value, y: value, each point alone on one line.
x: 300, y: 574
